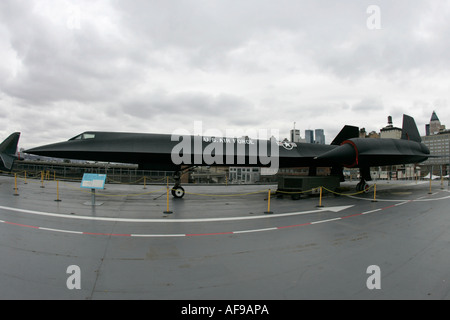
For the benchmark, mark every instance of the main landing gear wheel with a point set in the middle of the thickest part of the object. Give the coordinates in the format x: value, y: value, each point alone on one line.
x: 178, y: 192
x: 363, y: 186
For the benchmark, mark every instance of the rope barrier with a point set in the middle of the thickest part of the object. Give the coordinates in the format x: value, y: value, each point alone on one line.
x: 113, y: 195
x: 227, y: 195
x: 33, y: 178
x: 43, y: 175
x: 297, y: 192
x: 349, y: 194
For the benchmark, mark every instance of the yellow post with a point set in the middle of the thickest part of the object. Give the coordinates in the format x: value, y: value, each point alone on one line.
x: 268, y: 203
x: 145, y: 182
x: 168, y: 211
x: 429, y: 192
x: 57, y: 191
x: 320, y: 198
x: 25, y: 177
x: 15, y: 185
x: 42, y: 179
x: 374, y: 193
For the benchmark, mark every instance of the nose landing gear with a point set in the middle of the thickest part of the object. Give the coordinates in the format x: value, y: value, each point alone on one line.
x: 363, y: 186
x: 178, y: 190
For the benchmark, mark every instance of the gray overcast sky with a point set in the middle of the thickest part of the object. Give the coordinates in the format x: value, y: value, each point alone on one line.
x: 156, y: 66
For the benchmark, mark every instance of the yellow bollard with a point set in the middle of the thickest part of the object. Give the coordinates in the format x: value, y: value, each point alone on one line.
x: 25, y: 178
x: 168, y: 211
x: 374, y: 193
x: 429, y: 192
x: 145, y: 182
x: 268, y: 204
x: 15, y: 185
x: 320, y: 198
x: 42, y: 179
x: 57, y: 191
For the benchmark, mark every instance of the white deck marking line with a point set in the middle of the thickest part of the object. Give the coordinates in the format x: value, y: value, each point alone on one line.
x: 266, y: 216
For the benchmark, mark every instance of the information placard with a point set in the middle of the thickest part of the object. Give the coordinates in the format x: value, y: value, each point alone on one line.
x: 93, y: 181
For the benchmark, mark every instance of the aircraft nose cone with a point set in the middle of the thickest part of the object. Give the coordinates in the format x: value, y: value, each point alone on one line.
x: 47, y: 150
x: 37, y: 151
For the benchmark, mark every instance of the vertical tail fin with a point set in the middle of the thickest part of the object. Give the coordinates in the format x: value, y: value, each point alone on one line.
x: 8, y: 150
x: 348, y: 132
x: 410, y: 131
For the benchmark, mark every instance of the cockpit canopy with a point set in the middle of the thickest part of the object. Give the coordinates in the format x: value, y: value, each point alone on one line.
x: 84, y: 136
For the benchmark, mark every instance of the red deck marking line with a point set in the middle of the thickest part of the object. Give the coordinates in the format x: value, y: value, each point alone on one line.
x: 352, y: 215
x: 21, y: 225
x: 107, y: 234
x: 295, y: 225
x: 206, y: 234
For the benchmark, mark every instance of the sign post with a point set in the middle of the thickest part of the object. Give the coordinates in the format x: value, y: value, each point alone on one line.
x: 93, y: 181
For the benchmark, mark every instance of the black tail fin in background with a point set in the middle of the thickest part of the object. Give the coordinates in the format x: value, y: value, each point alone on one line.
x: 8, y: 150
x: 410, y: 131
x: 348, y: 132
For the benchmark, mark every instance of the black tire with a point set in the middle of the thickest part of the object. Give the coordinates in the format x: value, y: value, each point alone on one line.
x: 359, y: 187
x: 178, y: 192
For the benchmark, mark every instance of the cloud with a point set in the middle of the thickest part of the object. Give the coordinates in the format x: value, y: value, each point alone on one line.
x: 155, y: 66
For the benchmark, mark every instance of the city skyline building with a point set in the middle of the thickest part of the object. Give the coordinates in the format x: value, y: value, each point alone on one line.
x: 309, y: 136
x: 320, y: 136
x: 295, y: 135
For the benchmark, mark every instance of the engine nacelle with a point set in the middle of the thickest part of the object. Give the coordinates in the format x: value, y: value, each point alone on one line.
x: 360, y: 152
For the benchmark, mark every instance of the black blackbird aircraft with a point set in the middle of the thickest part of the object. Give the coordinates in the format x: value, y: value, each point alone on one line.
x: 178, y: 152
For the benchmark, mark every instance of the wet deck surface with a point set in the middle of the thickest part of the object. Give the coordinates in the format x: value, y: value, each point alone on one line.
x: 219, y: 244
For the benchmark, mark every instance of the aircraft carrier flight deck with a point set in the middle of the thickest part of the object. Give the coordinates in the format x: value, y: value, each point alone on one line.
x: 223, y: 242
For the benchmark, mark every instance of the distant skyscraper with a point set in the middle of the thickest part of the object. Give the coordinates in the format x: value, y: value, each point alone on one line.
x: 320, y: 136
x: 309, y: 136
x: 295, y: 135
x: 435, y: 125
